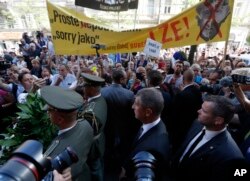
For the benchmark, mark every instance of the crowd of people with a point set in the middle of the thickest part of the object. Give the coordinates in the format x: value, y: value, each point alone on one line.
x: 111, y: 111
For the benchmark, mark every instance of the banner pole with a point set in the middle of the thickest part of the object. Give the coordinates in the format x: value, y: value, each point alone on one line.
x: 118, y: 20
x: 225, y: 51
x: 226, y: 43
x: 159, y: 15
x: 135, y: 18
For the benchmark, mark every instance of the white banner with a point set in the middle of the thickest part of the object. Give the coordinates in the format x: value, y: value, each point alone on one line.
x: 152, y: 48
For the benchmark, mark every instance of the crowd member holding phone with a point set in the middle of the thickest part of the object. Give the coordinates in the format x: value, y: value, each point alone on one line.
x: 64, y: 79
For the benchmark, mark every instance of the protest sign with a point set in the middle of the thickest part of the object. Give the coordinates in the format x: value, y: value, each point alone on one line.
x: 152, y: 48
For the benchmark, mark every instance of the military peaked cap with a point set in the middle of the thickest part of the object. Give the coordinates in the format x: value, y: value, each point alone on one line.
x: 92, y: 80
x: 61, y: 99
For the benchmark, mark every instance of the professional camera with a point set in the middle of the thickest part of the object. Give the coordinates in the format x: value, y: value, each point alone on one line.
x: 241, y: 75
x: 28, y: 163
x: 145, y: 164
x: 213, y: 89
x: 98, y: 46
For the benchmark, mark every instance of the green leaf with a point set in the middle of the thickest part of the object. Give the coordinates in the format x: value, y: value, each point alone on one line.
x: 41, y: 105
x: 24, y: 108
x: 8, y: 142
x: 23, y: 115
x: 5, y: 135
x: 33, y: 123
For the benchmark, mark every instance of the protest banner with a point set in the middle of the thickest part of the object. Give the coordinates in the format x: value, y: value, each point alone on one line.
x: 74, y: 33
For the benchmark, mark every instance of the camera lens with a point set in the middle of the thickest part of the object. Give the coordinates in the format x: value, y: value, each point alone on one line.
x: 64, y: 159
x: 144, y: 163
x: 26, y: 163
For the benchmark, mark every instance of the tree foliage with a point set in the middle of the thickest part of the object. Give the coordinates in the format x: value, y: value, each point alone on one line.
x: 32, y: 123
x: 6, y: 16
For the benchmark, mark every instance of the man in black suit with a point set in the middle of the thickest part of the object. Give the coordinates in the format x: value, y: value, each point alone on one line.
x: 121, y: 126
x: 153, y: 137
x: 184, y: 110
x: 215, y: 156
x: 155, y: 79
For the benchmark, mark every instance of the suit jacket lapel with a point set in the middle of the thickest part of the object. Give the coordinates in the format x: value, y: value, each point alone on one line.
x: 57, y: 140
x: 147, y: 134
x: 210, y: 145
x: 194, y: 130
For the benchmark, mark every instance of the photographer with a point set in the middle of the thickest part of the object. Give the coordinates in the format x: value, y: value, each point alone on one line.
x: 57, y: 176
x: 140, y: 80
x: 240, y: 84
x: 26, y: 84
x: 244, y: 101
x: 24, y: 50
x: 63, y: 79
x: 24, y: 47
x: 65, y: 176
x: 214, y: 86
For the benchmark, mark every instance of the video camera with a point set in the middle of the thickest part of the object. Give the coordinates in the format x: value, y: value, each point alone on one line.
x: 140, y: 76
x: 241, y: 75
x: 98, y: 46
x: 213, y: 89
x: 28, y: 163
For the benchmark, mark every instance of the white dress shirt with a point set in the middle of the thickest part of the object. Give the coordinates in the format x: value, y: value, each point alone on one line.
x: 148, y: 126
x: 208, y: 136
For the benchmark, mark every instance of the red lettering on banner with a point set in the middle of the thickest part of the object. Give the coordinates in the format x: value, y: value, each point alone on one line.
x: 176, y: 27
x: 185, y: 19
x: 137, y: 45
x: 151, y: 35
x: 176, y: 30
x: 164, y: 34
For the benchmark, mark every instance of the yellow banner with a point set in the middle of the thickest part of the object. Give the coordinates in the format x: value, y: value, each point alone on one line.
x: 74, y: 33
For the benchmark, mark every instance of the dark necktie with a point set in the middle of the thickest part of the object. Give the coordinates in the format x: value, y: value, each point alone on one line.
x: 186, y: 156
x: 139, y: 133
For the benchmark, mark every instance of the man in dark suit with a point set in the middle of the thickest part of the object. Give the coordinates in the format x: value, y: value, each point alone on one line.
x: 153, y: 137
x: 155, y: 79
x: 215, y: 156
x: 121, y: 127
x: 95, y: 112
x: 62, y: 109
x: 184, y: 110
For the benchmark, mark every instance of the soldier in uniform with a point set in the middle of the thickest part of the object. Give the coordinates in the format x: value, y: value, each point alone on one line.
x: 95, y: 111
x: 62, y: 109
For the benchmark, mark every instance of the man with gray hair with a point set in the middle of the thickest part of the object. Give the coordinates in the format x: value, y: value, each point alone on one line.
x: 152, y: 136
